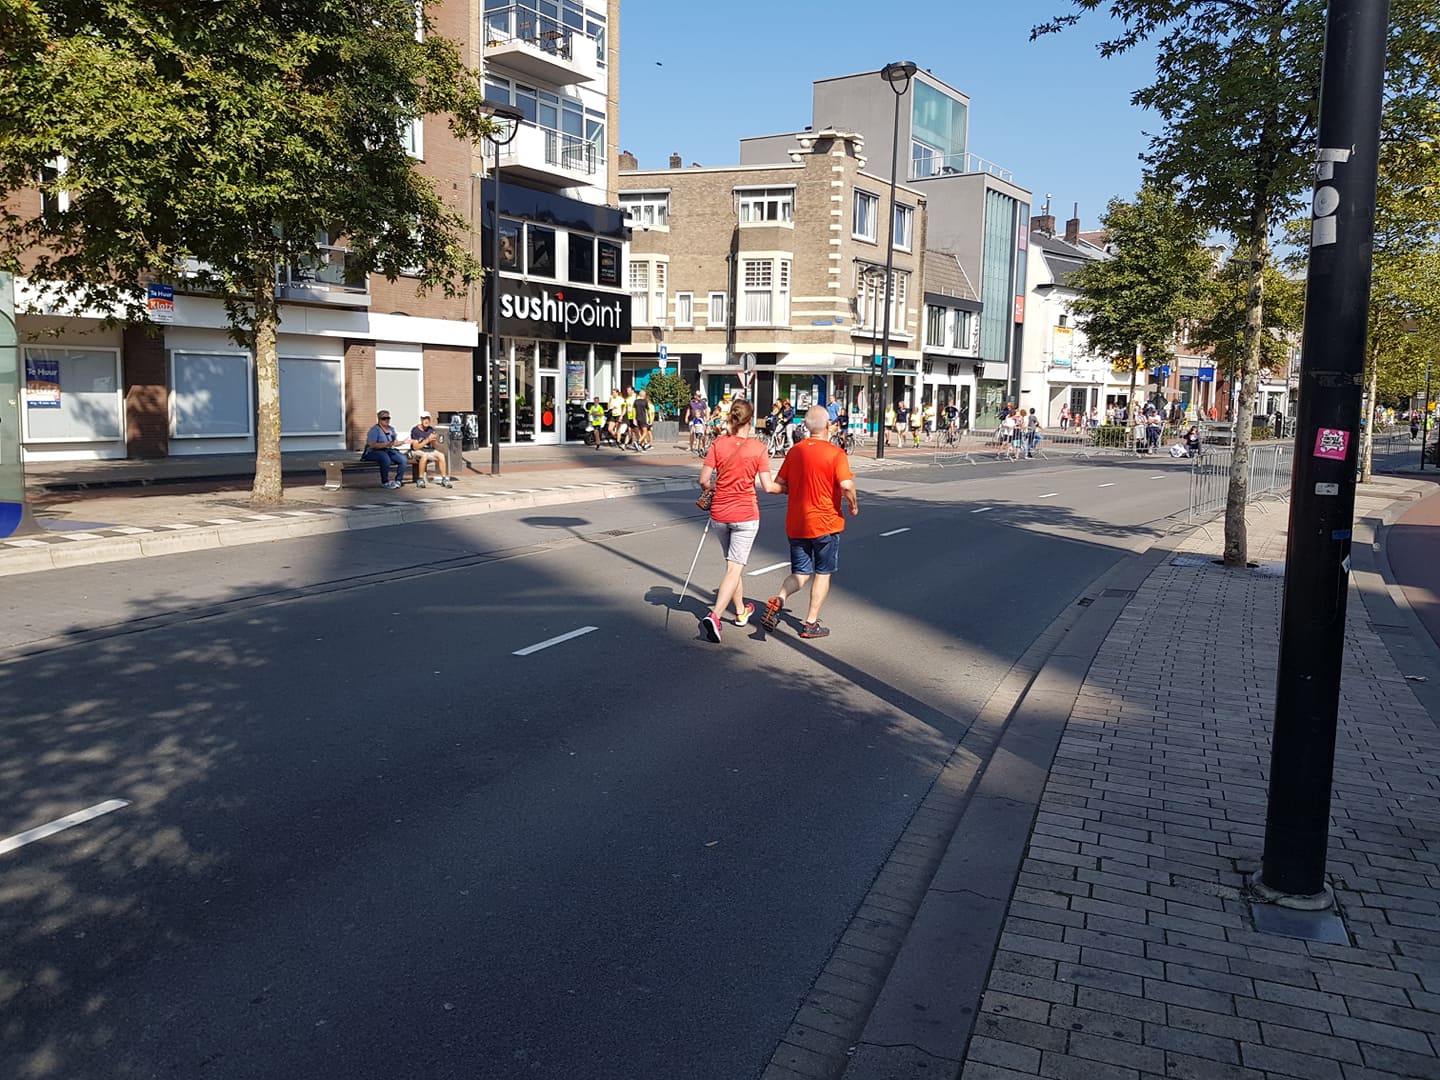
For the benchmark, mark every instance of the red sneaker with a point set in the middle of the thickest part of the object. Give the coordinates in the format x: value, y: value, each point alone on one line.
x: 771, y: 619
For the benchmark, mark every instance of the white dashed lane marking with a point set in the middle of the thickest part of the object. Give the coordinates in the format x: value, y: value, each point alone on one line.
x: 1107, y: 485
x: 896, y: 532
x: 555, y: 641
x: 29, y: 836
x: 767, y: 569
x: 1048, y: 495
x: 982, y: 510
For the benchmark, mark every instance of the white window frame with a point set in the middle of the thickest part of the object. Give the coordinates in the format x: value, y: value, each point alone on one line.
x: 904, y: 226
x: 646, y: 283
x: 412, y: 135
x: 867, y: 299
x: 684, y: 309
x: 765, y: 205
x: 646, y: 209
x: 936, y: 319
x: 716, y: 302
x: 857, y: 222
x: 962, y: 331
x: 764, y: 293
x: 176, y: 361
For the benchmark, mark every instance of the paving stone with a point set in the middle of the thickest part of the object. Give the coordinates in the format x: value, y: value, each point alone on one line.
x: 1309, y: 1042
x: 1025, y: 1008
x: 990, y: 1051
x: 1221, y: 1025
x: 1023, y: 1032
x: 1106, y: 1025
x: 1371, y: 1031
x: 1065, y: 1067
x: 1288, y: 1063
x: 1115, y: 1052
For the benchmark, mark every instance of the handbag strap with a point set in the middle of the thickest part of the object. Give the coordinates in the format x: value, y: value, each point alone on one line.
x: 739, y: 445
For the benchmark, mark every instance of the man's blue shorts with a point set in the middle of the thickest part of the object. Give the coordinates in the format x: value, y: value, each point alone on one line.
x: 818, y: 555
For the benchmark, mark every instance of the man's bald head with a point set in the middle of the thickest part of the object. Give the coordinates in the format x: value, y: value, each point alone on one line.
x: 817, y: 419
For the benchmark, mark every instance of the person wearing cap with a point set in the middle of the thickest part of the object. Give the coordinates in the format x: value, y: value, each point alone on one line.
x: 381, y: 445
x: 425, y: 448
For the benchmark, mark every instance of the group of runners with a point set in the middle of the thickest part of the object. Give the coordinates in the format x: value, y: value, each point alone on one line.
x: 628, y: 419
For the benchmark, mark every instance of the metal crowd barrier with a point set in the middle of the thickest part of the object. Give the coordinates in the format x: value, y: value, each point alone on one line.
x: 1268, y: 478
x: 1394, y: 451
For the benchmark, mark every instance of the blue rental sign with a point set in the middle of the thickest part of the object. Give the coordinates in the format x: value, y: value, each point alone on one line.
x: 1205, y: 374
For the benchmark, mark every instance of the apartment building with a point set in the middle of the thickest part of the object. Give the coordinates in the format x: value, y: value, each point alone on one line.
x: 349, y: 343
x: 978, y: 216
x: 770, y: 278
x: 563, y: 248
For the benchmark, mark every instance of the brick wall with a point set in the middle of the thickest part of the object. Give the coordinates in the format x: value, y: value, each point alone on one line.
x: 147, y: 414
x: 359, y: 391
x: 449, y: 379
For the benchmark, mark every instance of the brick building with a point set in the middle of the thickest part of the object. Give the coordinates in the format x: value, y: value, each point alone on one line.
x: 783, y: 262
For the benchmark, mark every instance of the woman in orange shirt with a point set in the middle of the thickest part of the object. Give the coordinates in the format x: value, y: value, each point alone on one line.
x: 736, y: 464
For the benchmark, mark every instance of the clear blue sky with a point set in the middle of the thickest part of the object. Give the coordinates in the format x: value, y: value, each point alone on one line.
x: 697, y: 77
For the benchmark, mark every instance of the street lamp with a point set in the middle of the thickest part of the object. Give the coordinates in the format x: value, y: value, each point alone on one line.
x: 898, y: 74
x: 505, y: 121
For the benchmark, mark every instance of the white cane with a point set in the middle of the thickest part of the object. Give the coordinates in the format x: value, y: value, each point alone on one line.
x: 686, y: 586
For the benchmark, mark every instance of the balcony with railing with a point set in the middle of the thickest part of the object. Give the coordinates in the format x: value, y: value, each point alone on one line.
x: 522, y: 40
x: 924, y: 165
x: 333, y: 275
x: 550, y: 156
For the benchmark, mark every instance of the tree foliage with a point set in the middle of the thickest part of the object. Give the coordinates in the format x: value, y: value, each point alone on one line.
x: 1221, y: 327
x: 1237, y: 92
x: 209, y: 143
x: 1156, y: 279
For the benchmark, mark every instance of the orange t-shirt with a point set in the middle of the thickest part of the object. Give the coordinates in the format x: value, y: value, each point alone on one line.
x: 813, y: 470
x: 739, y: 462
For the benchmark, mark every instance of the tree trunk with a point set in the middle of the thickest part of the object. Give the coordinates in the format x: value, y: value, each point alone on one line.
x: 1236, y: 541
x: 1130, y: 399
x: 1367, y: 435
x: 268, y: 489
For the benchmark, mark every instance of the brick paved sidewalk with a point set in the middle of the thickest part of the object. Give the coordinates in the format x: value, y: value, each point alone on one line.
x: 1128, y: 950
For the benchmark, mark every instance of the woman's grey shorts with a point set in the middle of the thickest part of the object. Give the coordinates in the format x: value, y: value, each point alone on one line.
x: 736, y: 538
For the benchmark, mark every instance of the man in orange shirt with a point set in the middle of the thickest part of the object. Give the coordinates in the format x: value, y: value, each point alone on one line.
x: 815, y: 476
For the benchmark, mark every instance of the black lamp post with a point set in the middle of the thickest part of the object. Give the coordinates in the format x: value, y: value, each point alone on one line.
x: 506, y: 120
x: 898, y: 74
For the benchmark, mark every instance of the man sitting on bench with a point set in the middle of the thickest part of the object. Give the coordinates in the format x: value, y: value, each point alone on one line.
x: 380, y: 446
x: 425, y: 448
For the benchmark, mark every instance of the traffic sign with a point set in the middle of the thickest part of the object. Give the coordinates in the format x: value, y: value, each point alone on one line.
x: 664, y: 353
x: 747, y: 361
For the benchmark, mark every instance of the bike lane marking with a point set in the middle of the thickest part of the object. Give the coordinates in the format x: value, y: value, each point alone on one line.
x: 554, y: 641
x: 40, y: 832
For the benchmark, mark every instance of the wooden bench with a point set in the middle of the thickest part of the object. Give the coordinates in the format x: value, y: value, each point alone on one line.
x: 335, y: 470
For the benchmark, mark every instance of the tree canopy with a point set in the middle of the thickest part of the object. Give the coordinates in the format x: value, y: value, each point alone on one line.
x: 212, y: 142
x: 1155, y: 279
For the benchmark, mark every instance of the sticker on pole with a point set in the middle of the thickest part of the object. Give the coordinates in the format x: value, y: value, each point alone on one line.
x: 1332, y: 444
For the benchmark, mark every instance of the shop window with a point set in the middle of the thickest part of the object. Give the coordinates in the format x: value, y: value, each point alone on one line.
x: 210, y: 395
x: 313, y: 402
x: 72, y: 395
x: 608, y: 269
x: 509, y: 244
x: 540, y: 260
x: 582, y: 258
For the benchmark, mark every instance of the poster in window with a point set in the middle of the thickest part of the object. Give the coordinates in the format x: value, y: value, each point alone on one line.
x: 574, y: 380
x: 609, y: 264
x: 509, y: 245
x: 542, y: 251
x: 42, y: 383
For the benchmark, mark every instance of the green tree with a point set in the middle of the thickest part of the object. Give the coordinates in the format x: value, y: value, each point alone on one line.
x: 668, y: 392
x: 1131, y: 305
x: 1237, y: 93
x: 1236, y: 90
x: 1221, y: 327
x: 230, y: 138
